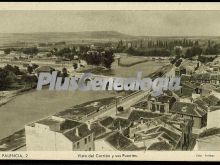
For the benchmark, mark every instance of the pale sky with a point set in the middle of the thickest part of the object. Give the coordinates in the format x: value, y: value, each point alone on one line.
x: 144, y: 23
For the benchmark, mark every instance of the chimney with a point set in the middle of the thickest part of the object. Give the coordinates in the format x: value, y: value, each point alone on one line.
x: 118, y: 146
x: 120, y: 129
x: 77, y: 131
x: 142, y: 120
x: 89, y: 125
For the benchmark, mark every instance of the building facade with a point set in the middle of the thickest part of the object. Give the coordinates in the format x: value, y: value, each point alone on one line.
x: 56, y: 134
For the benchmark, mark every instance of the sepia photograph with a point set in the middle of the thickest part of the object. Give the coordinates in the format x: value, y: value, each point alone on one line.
x: 109, y: 81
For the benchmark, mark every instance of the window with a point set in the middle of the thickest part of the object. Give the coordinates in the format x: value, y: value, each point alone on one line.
x: 157, y: 107
x: 153, y: 107
x: 77, y: 144
x: 90, y: 149
x: 85, y: 140
x: 162, y: 110
x: 89, y: 138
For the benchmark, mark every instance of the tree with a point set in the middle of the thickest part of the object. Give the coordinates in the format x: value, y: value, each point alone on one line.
x: 204, y: 59
x: 178, y: 51
x: 31, y: 80
x: 66, y: 53
x: 191, y: 52
x: 173, y: 61
x: 9, y: 68
x: 93, y: 58
x: 30, y: 51
x: 64, y: 72
x: 212, y: 50
x: 75, y: 66
x: 63, y: 51
x: 107, y: 59
x: 35, y: 66
x: 6, y: 78
x: 17, y: 70
x: 30, y: 69
x: 14, y: 69
x: 120, y: 46
x: 178, y: 62
x: 196, y: 43
x: 7, y: 51
x: 49, y: 54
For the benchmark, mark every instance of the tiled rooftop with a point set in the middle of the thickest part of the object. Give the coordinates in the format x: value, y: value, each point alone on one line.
x: 67, y: 128
x: 161, y: 133
x: 209, y: 132
x: 48, y: 121
x: 83, y: 132
x: 64, y: 125
x: 79, y: 111
x: 98, y: 129
x: 190, y: 109
x: 141, y: 104
x: 162, y: 145
x: 115, y: 123
x: 120, y: 142
x: 136, y: 115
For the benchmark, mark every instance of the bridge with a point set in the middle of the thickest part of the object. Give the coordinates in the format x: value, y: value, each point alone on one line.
x: 126, y: 102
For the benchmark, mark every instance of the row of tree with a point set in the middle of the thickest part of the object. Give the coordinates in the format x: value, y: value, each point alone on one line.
x: 194, y: 51
x: 205, y: 59
x: 167, y: 44
x: 28, y: 51
x: 157, y: 52
x: 212, y: 50
x: 65, y: 53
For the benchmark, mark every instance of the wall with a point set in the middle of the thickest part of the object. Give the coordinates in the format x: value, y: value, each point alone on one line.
x: 197, y: 122
x: 83, y: 146
x: 207, y: 146
x: 102, y: 145
x: 158, y: 106
x: 213, y: 119
x: 39, y: 139
x: 62, y: 143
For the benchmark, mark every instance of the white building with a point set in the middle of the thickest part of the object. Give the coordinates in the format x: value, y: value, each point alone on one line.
x: 213, y: 117
x: 209, y: 140
x: 57, y: 134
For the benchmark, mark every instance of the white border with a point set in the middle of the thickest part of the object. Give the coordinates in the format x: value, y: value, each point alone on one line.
x: 97, y: 155
x: 148, y: 155
x: 109, y: 6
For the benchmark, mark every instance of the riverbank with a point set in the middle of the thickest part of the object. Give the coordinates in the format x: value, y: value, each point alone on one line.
x: 7, y: 96
x: 13, y: 142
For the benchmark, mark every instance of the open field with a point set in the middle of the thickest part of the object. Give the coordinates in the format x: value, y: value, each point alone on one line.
x: 146, y: 67
x: 131, y: 60
x: 134, y: 64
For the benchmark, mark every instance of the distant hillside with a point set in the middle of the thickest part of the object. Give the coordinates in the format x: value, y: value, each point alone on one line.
x: 13, y: 38
x: 62, y: 36
x: 99, y: 35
